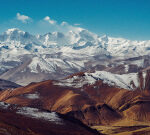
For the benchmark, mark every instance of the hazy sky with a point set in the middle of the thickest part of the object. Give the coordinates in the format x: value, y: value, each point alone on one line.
x: 118, y: 18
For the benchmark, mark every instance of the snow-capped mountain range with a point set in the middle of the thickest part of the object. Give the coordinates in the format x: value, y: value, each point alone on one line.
x: 55, y: 55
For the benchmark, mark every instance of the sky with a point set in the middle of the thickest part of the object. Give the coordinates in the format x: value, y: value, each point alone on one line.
x: 117, y: 18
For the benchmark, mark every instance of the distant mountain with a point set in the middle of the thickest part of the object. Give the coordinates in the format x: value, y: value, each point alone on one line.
x: 26, y: 58
x: 4, y: 84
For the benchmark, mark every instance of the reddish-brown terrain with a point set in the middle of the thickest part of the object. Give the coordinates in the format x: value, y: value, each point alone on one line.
x: 93, y: 104
x: 15, y: 120
x: 88, y: 106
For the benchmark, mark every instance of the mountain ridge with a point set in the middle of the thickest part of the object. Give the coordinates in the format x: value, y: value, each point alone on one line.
x: 25, y: 57
x: 93, y: 103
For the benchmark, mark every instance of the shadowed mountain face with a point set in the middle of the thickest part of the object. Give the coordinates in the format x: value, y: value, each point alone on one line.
x: 88, y: 98
x: 15, y: 120
x: 4, y: 84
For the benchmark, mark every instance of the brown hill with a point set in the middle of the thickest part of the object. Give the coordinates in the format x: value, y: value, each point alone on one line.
x: 17, y: 120
x: 93, y: 104
x: 86, y: 105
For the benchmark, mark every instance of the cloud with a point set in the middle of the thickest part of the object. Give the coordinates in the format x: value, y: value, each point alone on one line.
x: 77, y: 24
x: 41, y: 26
x: 48, y: 19
x: 64, y: 23
x: 23, y: 18
x: 64, y: 26
x: 48, y: 25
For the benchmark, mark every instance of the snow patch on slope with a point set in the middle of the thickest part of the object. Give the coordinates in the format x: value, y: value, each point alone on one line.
x: 42, y: 64
x: 32, y: 96
x: 144, y: 78
x: 122, y: 81
x: 4, y: 105
x: 33, y: 113
x: 36, y: 113
x: 126, y: 68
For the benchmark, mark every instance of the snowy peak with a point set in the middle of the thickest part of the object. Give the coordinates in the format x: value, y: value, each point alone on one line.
x: 131, y: 81
x: 15, y: 34
x: 53, y: 35
x: 79, y: 39
x: 125, y: 81
x: 104, y: 38
x: 13, y: 30
x: 86, y: 35
x: 64, y: 53
x: 71, y: 38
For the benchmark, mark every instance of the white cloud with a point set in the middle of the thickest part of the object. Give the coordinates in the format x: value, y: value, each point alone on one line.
x: 23, y: 18
x: 48, y: 19
x: 64, y: 23
x: 64, y: 26
x: 48, y: 25
x: 77, y: 24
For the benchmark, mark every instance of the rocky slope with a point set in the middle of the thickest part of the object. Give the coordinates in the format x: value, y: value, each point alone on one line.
x: 90, y: 97
x: 17, y: 120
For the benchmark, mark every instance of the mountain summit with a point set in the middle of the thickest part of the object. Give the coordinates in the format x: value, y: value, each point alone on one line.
x: 25, y: 57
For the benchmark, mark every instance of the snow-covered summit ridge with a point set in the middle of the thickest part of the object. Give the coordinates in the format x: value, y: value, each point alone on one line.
x: 78, y: 39
x: 61, y: 54
x: 9, y: 31
x: 15, y: 35
x: 126, y: 81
